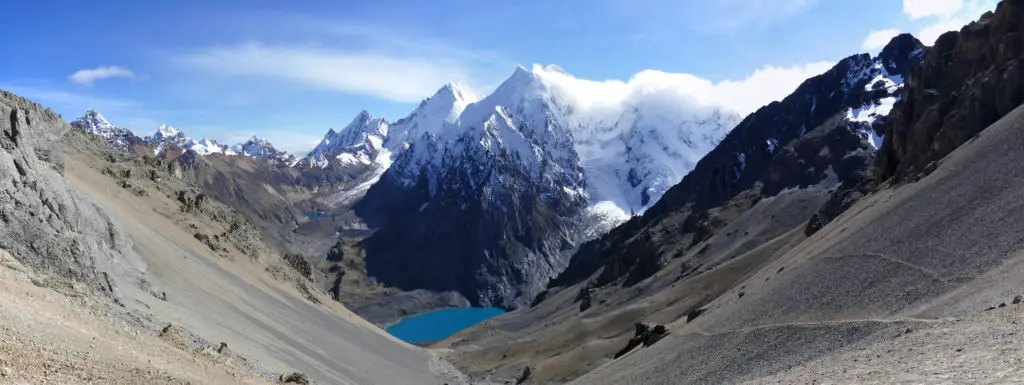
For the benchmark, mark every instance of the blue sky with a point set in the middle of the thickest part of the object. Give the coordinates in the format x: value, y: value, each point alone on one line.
x: 289, y: 70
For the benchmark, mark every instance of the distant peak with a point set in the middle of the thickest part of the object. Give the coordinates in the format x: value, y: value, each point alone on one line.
x: 95, y: 116
x: 167, y: 130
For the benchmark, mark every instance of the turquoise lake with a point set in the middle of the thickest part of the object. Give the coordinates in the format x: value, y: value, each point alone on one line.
x: 312, y: 216
x: 440, y: 324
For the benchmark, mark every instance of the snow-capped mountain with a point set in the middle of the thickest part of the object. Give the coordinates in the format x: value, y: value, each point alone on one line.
x: 816, y: 139
x: 119, y: 137
x: 434, y: 115
x: 124, y: 139
x: 260, y: 148
x: 486, y: 204
x: 167, y: 135
x: 361, y: 143
x: 524, y: 167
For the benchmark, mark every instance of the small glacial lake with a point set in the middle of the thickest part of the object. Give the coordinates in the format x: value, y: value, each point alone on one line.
x: 440, y: 324
x: 312, y: 216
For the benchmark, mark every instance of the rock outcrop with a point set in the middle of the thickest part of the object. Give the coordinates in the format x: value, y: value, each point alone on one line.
x: 44, y: 223
x: 646, y: 335
x: 968, y: 80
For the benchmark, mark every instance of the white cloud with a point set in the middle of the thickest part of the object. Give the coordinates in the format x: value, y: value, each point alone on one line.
x: 932, y: 18
x: 929, y: 34
x: 746, y: 95
x: 878, y: 39
x: 87, y: 76
x: 391, y: 77
x: 916, y: 9
x: 964, y: 15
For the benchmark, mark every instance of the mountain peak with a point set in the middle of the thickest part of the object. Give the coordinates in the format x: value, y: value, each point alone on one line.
x: 93, y: 119
x: 261, y: 148
x: 364, y: 136
x: 167, y: 130
x: 902, y: 51
x: 94, y: 123
x: 520, y: 71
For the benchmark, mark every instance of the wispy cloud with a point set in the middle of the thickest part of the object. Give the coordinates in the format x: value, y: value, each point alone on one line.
x: 878, y: 39
x: 88, y: 76
x: 362, y: 59
x: 397, y: 78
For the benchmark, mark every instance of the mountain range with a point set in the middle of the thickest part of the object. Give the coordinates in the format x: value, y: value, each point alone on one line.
x: 864, y: 228
x: 489, y: 196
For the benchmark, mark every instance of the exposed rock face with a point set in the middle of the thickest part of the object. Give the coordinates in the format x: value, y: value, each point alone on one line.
x: 819, y: 134
x: 43, y: 222
x: 299, y: 263
x: 486, y: 232
x: 968, y: 80
x: 191, y: 201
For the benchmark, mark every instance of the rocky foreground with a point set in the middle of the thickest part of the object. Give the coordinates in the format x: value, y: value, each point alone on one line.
x: 122, y: 271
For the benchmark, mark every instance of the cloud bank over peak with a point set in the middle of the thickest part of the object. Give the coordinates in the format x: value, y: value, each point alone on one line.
x: 671, y: 90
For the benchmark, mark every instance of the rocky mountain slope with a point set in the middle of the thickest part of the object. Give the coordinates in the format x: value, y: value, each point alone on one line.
x: 969, y: 80
x: 124, y: 254
x: 747, y: 286
x: 764, y: 155
x: 47, y: 225
x: 748, y: 199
